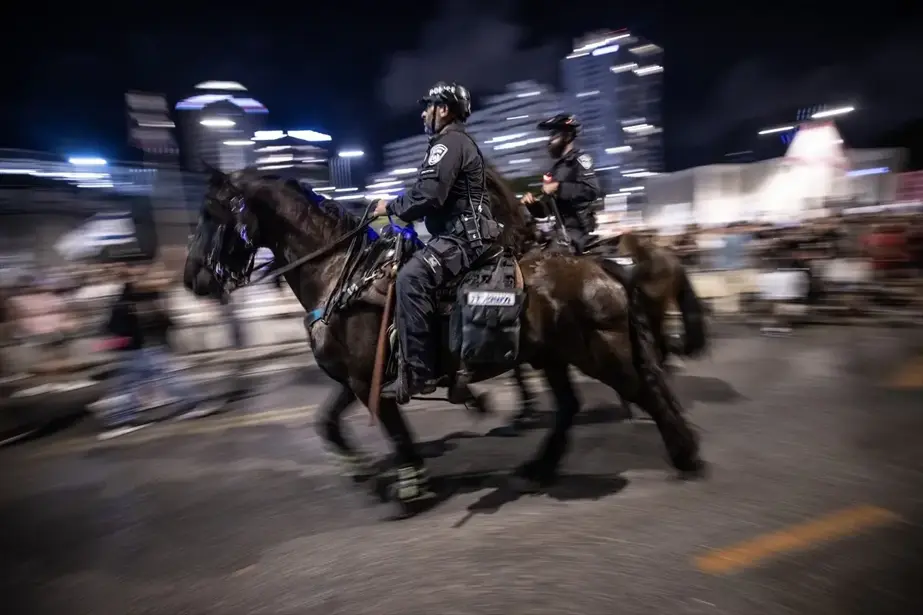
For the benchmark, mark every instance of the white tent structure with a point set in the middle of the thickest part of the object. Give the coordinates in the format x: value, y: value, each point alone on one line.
x: 814, y: 170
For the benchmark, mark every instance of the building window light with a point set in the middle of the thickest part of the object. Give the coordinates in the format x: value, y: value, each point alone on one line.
x: 649, y: 70
x: 623, y: 68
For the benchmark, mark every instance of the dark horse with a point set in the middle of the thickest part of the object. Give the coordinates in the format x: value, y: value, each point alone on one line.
x: 575, y: 314
x: 658, y: 273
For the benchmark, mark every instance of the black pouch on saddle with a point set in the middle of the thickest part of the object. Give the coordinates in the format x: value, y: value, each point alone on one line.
x: 487, y: 316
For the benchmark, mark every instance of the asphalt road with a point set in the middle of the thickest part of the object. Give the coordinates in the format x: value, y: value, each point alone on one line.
x: 812, y: 505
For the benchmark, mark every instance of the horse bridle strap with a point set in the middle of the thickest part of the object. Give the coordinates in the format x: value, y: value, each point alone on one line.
x: 313, y: 255
x: 322, y: 251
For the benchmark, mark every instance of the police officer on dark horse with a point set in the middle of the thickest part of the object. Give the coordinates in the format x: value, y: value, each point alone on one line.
x: 570, y: 186
x: 569, y: 190
x: 573, y: 312
x: 450, y: 196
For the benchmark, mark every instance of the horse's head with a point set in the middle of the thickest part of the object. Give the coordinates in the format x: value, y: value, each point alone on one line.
x: 518, y: 229
x: 226, y: 239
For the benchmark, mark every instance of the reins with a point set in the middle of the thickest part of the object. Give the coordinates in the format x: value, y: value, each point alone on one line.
x: 364, y: 223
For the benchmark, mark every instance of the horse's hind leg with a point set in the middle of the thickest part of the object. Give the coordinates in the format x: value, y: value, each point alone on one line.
x: 329, y: 425
x: 656, y: 397
x: 543, y: 468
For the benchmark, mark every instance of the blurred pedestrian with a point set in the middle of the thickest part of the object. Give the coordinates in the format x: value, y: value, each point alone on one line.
x: 144, y: 387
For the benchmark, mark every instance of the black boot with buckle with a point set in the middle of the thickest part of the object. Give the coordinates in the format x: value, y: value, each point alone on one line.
x: 407, y: 385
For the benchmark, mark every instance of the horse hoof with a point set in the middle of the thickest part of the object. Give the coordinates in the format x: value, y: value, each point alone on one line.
x: 524, y: 484
x: 531, y: 477
x: 695, y: 469
x: 379, y: 488
x: 480, y: 405
x: 406, y: 508
x: 511, y: 430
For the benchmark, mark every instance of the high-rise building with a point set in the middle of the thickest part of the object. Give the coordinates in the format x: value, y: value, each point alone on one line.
x: 215, y: 123
x: 613, y: 83
x: 504, y: 126
x: 296, y: 154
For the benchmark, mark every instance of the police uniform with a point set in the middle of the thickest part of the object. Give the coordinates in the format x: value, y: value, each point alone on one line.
x: 450, y: 196
x: 578, y: 187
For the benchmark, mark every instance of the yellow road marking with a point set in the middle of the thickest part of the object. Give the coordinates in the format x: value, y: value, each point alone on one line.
x: 908, y: 376
x: 800, y: 537
x: 175, y: 428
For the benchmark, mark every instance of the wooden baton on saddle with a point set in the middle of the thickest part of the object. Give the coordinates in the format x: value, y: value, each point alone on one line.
x: 381, y: 353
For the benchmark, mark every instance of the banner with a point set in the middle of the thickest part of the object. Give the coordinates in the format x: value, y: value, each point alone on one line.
x: 115, y: 231
x: 910, y: 186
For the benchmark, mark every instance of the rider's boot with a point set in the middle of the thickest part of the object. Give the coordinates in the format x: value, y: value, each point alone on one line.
x: 408, y: 384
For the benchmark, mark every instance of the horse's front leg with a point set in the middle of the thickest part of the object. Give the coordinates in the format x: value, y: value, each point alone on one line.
x: 528, y: 401
x: 354, y: 464
x: 543, y: 468
x: 410, y: 487
x: 527, y: 414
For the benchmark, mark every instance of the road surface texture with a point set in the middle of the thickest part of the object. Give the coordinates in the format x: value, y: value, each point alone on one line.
x: 812, y: 505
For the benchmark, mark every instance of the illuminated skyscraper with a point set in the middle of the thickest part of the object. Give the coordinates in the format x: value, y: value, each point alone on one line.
x: 296, y: 153
x: 614, y: 83
x: 216, y: 124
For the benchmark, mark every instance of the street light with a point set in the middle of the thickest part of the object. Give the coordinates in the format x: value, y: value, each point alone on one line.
x: 217, y: 122
x: 309, y: 135
x: 352, y: 153
x: 832, y: 112
x: 771, y: 131
x: 87, y: 162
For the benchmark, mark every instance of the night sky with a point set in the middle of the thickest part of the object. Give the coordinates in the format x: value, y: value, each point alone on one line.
x: 355, y: 69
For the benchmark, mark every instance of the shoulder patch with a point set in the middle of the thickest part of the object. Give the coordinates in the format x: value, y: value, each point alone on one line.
x: 585, y: 161
x: 436, y: 153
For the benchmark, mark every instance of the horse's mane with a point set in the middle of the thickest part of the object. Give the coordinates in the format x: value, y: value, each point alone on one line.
x: 518, y: 229
x: 296, y: 204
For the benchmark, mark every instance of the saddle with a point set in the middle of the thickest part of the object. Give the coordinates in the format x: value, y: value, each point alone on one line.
x: 479, y: 309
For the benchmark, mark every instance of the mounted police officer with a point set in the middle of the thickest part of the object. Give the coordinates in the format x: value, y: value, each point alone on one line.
x: 450, y: 196
x: 571, y: 180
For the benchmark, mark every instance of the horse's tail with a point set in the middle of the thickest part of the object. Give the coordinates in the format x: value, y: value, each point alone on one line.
x: 653, y: 382
x: 692, y: 313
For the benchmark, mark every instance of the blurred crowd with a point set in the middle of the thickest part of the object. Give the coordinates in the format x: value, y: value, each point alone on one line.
x: 123, y: 310
x: 892, y: 245
x: 123, y: 307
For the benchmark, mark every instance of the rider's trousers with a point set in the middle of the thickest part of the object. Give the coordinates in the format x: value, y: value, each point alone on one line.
x: 417, y: 283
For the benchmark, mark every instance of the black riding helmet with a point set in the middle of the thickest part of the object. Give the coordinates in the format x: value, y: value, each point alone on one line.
x: 564, y: 129
x: 561, y: 123
x: 454, y: 96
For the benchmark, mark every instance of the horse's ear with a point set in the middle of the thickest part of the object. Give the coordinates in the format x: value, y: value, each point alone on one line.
x: 215, y: 177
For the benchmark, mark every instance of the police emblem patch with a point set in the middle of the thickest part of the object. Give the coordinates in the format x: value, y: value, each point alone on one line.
x: 436, y: 154
x: 585, y: 161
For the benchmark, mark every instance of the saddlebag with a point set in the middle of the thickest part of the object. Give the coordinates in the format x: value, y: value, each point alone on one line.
x: 487, y: 315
